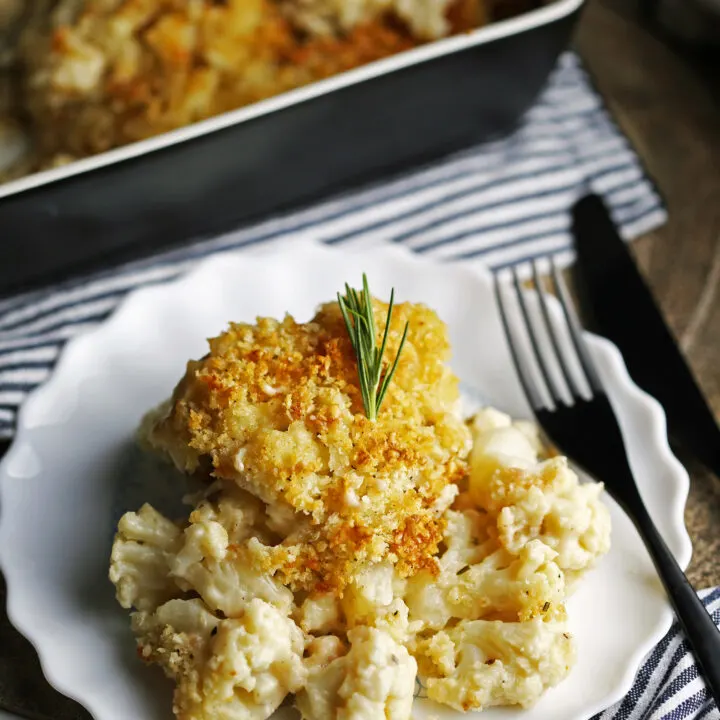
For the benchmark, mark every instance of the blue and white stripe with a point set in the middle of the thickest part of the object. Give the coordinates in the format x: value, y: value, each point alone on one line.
x: 669, y: 686
x: 494, y: 205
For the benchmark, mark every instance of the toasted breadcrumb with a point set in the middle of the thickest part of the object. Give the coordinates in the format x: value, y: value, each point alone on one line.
x: 276, y: 408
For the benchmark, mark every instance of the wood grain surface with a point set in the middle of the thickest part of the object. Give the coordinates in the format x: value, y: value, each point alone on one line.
x: 664, y: 102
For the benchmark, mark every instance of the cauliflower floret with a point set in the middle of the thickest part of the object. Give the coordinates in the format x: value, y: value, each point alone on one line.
x: 446, y: 498
x: 369, y: 593
x: 235, y: 669
x: 201, y: 539
x: 466, y: 540
x: 395, y: 621
x: 237, y: 511
x: 375, y: 679
x: 177, y: 636
x: 426, y: 600
x: 379, y: 679
x: 374, y: 598
x: 510, y: 588
x: 488, y: 419
x: 577, y: 525
x: 321, y: 651
x: 319, y: 698
x: 256, y: 662
x: 549, y: 503
x: 501, y: 587
x: 139, y: 561
x: 497, y: 447
x: 530, y: 500
x: 479, y: 663
x: 466, y: 543
x: 225, y: 578
x: 531, y: 432
x: 320, y: 614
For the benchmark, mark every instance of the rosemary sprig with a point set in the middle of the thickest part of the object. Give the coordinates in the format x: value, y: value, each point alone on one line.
x: 359, y: 319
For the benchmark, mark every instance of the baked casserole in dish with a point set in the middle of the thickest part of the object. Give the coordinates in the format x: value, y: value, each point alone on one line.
x: 151, y: 123
x: 91, y: 75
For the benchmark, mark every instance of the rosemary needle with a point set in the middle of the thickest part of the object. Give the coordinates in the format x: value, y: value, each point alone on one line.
x: 357, y: 311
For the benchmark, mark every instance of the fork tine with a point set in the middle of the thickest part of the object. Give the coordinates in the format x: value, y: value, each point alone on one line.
x: 526, y: 381
x: 550, y: 383
x: 552, y: 332
x: 576, y: 332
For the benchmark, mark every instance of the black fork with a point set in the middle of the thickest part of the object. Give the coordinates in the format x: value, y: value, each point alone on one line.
x: 581, y: 422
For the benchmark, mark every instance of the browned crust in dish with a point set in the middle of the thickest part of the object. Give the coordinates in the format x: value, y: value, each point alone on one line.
x: 119, y: 71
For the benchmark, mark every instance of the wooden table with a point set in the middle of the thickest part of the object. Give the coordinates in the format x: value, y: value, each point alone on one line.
x: 671, y: 112
x: 671, y: 115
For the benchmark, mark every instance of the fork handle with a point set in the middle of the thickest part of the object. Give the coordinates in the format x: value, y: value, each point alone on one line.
x: 699, y: 627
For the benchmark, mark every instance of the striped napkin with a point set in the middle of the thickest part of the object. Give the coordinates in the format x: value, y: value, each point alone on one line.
x: 492, y: 205
x: 668, y: 686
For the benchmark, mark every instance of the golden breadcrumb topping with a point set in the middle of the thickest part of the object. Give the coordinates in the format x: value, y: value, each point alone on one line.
x: 276, y: 408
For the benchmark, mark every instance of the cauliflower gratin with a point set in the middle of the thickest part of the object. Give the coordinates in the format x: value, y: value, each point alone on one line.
x: 92, y: 75
x: 335, y: 562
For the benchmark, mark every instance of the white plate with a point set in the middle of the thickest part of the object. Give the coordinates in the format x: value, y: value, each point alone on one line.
x: 72, y: 470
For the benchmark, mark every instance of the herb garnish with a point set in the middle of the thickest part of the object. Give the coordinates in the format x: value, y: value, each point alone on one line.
x: 357, y: 311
